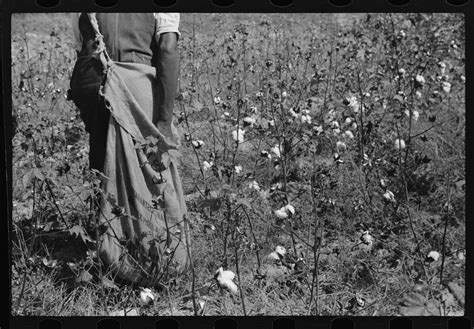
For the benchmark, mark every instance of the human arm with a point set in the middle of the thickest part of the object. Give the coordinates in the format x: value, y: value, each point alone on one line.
x: 167, y: 65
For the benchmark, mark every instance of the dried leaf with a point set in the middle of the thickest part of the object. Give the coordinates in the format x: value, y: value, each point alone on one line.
x: 108, y: 283
x: 84, y: 276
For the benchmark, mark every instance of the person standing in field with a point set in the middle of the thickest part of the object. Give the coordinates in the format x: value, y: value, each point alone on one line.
x: 124, y: 83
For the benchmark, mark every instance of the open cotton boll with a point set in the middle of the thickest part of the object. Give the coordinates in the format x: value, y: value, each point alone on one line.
x: 224, y: 280
x: 420, y: 79
x: 207, y: 165
x: 238, y: 135
x: 293, y: 113
x: 340, y: 146
x: 305, y: 119
x: 348, y: 121
x: 217, y: 100
x: 280, y: 250
x: 146, y: 296
x: 318, y: 129
x: 249, y: 121
x: 254, y: 185
x: 349, y: 134
x: 198, y: 143
x: 274, y: 256
x: 432, y: 256
x: 446, y: 86
x: 415, y: 115
x: 276, y: 150
x: 238, y: 169
x: 389, y: 196
x: 366, y: 238
x: 399, y: 144
x: 290, y: 210
x: 281, y: 213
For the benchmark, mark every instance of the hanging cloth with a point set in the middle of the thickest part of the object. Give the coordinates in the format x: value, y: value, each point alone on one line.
x: 143, y: 207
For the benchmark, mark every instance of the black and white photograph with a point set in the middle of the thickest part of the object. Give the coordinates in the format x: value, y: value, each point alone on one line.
x: 238, y: 164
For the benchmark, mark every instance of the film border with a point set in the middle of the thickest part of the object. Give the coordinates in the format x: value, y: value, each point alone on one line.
x: 200, y: 6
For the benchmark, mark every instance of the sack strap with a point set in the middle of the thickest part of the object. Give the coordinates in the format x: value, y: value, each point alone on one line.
x: 100, y: 51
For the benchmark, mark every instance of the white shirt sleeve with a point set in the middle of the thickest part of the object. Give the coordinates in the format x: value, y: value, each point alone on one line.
x: 166, y: 22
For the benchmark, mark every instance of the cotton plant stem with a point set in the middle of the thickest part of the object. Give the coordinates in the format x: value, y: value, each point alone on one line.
x: 447, y: 216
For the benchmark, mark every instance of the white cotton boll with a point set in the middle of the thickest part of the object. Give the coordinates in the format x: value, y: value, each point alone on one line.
x: 335, y: 125
x: 284, y: 94
x: 389, y: 196
x: 349, y: 134
x: 238, y: 135
x: 354, y: 104
x: 249, y: 121
x: 420, y: 79
x: 224, y: 280
x: 348, y: 121
x: 305, y: 119
x: 401, y: 71
x: 281, y: 213
x: 254, y: 186
x: 271, y: 123
x: 265, y: 154
x: 207, y: 165
x: 446, y: 86
x: 281, y: 251
x: 399, y: 144
x: 238, y: 169
x: 354, y: 126
x: 318, y: 129
x: 198, y: 144
x: 415, y: 115
x: 217, y: 100
x: 418, y: 94
x: 366, y: 238
x: 290, y: 210
x: 442, y: 67
x: 463, y: 78
x: 340, y: 146
x: 273, y: 256
x: 276, y: 150
x: 146, y: 296
x: 433, y: 256
x: 293, y: 113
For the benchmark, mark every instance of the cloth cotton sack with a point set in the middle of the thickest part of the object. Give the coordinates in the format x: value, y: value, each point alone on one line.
x: 143, y: 209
